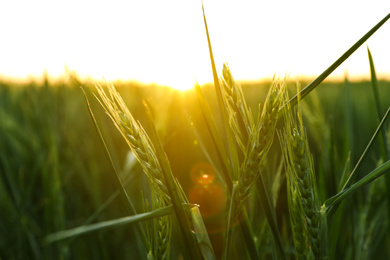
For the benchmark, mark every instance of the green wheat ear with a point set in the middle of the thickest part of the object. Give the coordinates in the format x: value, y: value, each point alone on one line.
x: 304, y: 204
x: 240, y: 116
x: 260, y: 140
x: 135, y: 136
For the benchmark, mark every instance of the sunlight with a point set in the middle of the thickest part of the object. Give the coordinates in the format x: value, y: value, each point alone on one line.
x: 179, y: 83
x: 153, y: 42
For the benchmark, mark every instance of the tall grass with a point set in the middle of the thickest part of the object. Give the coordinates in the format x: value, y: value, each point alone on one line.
x: 316, y: 193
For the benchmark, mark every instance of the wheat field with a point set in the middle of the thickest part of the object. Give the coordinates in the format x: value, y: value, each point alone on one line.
x: 281, y: 169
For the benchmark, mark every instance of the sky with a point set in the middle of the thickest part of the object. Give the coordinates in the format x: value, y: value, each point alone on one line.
x: 164, y: 42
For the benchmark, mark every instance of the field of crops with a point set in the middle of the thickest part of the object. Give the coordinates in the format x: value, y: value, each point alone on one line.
x: 284, y: 169
x: 55, y: 174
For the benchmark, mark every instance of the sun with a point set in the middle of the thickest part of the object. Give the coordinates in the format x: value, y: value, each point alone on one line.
x: 181, y: 80
x: 181, y: 84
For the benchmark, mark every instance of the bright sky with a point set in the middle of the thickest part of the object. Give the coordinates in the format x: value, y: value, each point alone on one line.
x: 165, y: 41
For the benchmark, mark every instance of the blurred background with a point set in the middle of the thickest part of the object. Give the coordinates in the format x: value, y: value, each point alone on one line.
x: 54, y: 174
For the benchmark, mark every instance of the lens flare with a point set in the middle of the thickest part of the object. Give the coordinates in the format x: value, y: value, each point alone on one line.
x: 206, y: 191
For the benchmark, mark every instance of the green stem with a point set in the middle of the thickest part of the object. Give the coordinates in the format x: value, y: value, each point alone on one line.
x: 229, y: 231
x: 246, y: 229
x: 262, y: 194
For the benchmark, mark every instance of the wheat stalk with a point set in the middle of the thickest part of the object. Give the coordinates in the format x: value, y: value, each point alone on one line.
x: 135, y: 136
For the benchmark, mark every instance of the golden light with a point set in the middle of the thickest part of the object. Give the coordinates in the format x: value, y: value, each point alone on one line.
x: 164, y: 41
x: 206, y: 191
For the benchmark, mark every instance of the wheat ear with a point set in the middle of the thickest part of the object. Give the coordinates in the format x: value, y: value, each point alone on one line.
x: 240, y: 116
x: 162, y: 233
x: 300, y: 172
x: 260, y: 140
x: 135, y: 136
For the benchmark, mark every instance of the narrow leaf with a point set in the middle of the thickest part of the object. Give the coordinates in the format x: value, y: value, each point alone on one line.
x: 227, y: 133
x: 379, y: 106
x: 337, y: 63
x: 269, y: 210
x: 173, y: 189
x: 367, y: 149
x: 216, y: 137
x: 364, y: 181
x: 105, y: 225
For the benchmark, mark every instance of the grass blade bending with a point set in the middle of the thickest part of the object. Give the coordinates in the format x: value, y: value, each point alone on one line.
x: 227, y: 133
x: 350, y: 178
x: 232, y: 149
x: 106, y: 225
x: 378, y: 172
x: 216, y: 138
x: 304, y: 92
x: 176, y: 195
x: 125, y: 197
x: 379, y: 105
x: 121, y: 187
x: 384, y: 140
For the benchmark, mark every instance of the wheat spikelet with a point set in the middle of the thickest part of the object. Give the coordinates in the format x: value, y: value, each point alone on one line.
x: 240, y: 116
x: 302, y: 183
x: 260, y: 140
x: 135, y: 136
x: 162, y: 226
x: 295, y: 208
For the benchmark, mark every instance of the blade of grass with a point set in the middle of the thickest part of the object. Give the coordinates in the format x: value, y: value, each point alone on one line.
x: 379, y: 171
x: 367, y: 149
x: 201, y: 235
x: 203, y: 146
x: 175, y: 194
x: 229, y: 224
x: 334, y: 232
x: 379, y: 106
x: 344, y: 175
x: 304, y: 92
x: 245, y: 225
x: 227, y: 133
x: 384, y: 140
x: 105, y: 225
x: 215, y: 137
x: 247, y: 231
x: 108, y: 201
x: 129, y: 205
x: 125, y: 196
x: 270, y: 213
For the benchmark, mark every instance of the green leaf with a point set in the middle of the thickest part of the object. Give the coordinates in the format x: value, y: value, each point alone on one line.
x: 106, y: 225
x: 364, y: 181
x: 337, y: 63
x: 379, y: 107
x: 129, y: 205
x: 215, y: 137
x: 174, y: 191
x: 227, y: 132
x: 367, y: 149
x: 232, y: 149
x: 201, y: 235
x: 269, y: 210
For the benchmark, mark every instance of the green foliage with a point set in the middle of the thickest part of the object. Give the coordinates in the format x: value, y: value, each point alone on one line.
x: 60, y: 178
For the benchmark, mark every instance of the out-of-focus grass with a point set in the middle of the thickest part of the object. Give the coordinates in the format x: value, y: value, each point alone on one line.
x: 54, y: 174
